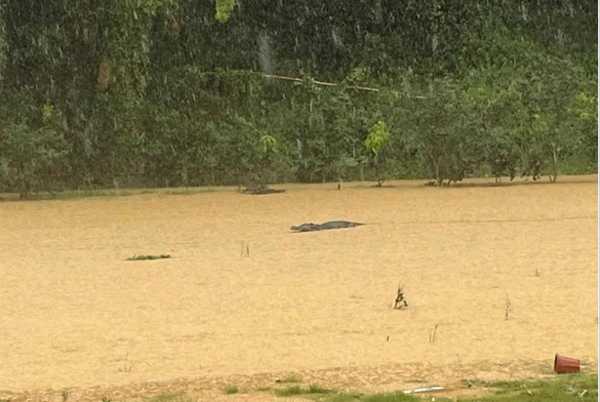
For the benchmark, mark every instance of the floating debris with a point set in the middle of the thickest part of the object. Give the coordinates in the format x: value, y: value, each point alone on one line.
x: 424, y: 389
x: 148, y: 257
x: 311, y: 227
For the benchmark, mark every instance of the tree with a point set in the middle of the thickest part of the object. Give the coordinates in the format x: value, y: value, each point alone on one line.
x: 253, y: 154
x: 497, y: 113
x: 376, y: 141
x: 29, y: 156
x: 443, y: 131
x: 583, y: 108
x: 267, y: 155
x: 553, y: 125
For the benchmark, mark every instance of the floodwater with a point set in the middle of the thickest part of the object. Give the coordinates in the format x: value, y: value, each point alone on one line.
x: 507, y: 274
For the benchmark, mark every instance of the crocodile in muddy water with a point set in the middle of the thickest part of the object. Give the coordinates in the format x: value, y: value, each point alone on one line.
x: 310, y: 227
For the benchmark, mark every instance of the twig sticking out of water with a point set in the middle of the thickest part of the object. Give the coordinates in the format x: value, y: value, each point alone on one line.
x: 245, y: 250
x: 507, y: 308
x: 433, y: 333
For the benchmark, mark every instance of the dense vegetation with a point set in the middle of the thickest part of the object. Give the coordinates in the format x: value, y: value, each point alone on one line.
x: 182, y: 92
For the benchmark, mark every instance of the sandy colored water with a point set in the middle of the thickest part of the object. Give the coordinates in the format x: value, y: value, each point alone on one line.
x: 75, y: 313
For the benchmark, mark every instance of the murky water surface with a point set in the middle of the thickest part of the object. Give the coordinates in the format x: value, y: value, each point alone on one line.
x: 74, y: 312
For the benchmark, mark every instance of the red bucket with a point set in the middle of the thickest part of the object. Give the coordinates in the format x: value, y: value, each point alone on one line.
x: 563, y: 364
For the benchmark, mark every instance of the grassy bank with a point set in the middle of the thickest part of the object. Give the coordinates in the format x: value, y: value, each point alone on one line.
x: 566, y: 388
x: 560, y: 389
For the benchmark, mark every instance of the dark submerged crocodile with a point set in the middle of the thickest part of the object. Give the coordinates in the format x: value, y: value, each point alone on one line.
x: 311, y: 227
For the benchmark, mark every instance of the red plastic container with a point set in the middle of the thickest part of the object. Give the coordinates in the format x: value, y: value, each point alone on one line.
x: 563, y: 364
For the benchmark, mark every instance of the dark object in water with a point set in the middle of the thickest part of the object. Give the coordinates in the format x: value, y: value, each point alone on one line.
x: 400, y: 301
x: 148, y: 257
x: 261, y: 190
x: 311, y: 227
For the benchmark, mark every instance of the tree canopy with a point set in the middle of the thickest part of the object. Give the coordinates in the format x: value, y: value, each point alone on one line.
x: 182, y: 92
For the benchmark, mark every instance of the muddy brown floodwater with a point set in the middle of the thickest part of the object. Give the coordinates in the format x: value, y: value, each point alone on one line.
x: 75, y: 313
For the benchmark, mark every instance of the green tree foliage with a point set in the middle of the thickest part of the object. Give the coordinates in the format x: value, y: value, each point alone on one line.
x: 163, y: 92
x: 584, y: 110
x: 441, y: 131
x: 31, y: 153
x: 224, y: 8
x: 376, y: 141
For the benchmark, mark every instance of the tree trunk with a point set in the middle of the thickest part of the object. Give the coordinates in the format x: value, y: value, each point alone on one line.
x: 438, y: 178
x: 554, y: 163
x: 377, y: 174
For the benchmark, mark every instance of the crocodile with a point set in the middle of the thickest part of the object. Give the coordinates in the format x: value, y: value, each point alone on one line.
x: 311, y: 227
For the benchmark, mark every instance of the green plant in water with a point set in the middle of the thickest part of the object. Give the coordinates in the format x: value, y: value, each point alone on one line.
x: 291, y: 378
x: 231, y: 389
